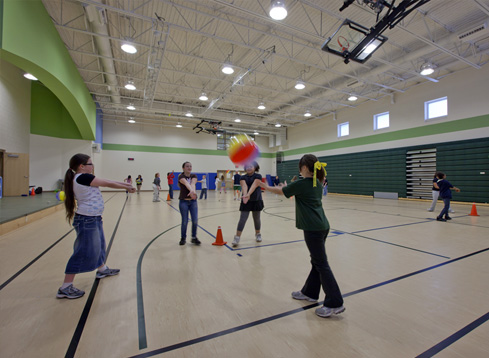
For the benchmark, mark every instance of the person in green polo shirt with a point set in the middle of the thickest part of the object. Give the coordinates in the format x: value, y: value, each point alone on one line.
x: 310, y: 218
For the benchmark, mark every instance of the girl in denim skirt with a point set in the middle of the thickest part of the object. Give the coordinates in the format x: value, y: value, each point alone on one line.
x: 89, y: 247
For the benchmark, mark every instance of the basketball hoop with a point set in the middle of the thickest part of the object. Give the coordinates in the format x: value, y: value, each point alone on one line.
x: 345, y: 45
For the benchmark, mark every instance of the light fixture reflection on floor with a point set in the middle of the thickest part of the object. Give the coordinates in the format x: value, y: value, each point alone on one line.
x: 278, y: 10
x: 30, y: 77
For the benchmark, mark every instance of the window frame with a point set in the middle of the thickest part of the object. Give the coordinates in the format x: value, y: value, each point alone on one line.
x: 339, y: 129
x: 437, y: 100
x: 376, y: 117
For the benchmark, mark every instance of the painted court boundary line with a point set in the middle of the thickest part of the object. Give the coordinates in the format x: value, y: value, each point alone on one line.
x: 454, y: 337
x: 70, y: 353
x: 297, y: 310
x: 39, y: 256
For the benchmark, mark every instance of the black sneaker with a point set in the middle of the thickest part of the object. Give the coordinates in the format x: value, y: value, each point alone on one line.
x: 182, y: 242
x: 195, y: 241
x: 448, y: 217
x: 440, y: 219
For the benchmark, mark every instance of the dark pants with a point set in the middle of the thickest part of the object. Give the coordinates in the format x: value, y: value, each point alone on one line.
x: 446, y: 201
x: 321, y: 274
x: 202, y: 193
x: 185, y: 207
x: 170, y: 189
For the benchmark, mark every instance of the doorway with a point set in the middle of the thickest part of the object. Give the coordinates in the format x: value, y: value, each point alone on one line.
x: 16, y: 174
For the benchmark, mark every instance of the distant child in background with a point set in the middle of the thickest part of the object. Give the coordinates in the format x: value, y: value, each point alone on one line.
x: 276, y: 181
x: 251, y: 201
x: 310, y: 217
x: 217, y: 183
x: 204, y: 187
x: 156, y: 187
x: 223, y: 185
x: 128, y: 180
x: 139, y: 182
x: 435, y: 193
x: 325, y: 187
x: 188, y: 202
x: 237, y: 185
x: 169, y: 177
x: 445, y: 194
x: 89, y: 248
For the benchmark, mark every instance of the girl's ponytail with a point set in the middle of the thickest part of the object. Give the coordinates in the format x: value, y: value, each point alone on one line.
x: 75, y: 162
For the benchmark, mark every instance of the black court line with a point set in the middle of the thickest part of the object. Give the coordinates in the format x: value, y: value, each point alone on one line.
x: 291, y: 312
x: 70, y: 353
x: 454, y: 337
x: 38, y: 257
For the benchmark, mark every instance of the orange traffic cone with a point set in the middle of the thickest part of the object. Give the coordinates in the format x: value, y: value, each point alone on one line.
x: 168, y: 197
x: 473, y: 212
x: 219, y: 240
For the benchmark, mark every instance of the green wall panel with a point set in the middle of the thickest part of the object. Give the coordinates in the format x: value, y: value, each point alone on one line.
x: 385, y: 170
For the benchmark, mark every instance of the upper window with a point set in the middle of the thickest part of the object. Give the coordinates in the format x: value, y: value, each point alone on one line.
x: 381, y: 120
x: 435, y: 108
x: 343, y: 129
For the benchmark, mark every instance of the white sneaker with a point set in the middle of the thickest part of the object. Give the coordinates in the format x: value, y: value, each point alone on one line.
x: 451, y: 211
x: 298, y: 295
x: 258, y: 237
x: 236, y: 241
x: 327, y: 312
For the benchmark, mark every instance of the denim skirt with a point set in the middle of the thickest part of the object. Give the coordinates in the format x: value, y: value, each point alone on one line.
x: 89, y: 247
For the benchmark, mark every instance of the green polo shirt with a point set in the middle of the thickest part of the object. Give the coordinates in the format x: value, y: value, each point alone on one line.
x: 309, y: 213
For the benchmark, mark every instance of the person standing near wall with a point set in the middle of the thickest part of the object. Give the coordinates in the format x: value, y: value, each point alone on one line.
x: 128, y: 180
x: 89, y: 248
x: 156, y: 187
x: 188, y: 202
x: 237, y: 185
x: 204, y: 187
x: 169, y: 177
x: 139, y: 182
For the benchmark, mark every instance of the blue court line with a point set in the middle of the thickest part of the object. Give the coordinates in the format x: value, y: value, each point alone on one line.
x: 70, y: 353
x: 291, y: 312
x: 454, y: 337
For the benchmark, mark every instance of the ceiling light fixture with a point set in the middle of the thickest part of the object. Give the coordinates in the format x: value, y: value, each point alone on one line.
x: 189, y: 114
x: 307, y: 114
x: 131, y: 107
x: 131, y: 120
x: 261, y: 106
x: 352, y: 98
x: 278, y: 125
x: 237, y: 120
x: 130, y: 85
x: 256, y: 133
x: 127, y: 47
x: 278, y: 10
x: 227, y: 69
x: 300, y: 85
x: 203, y: 97
x: 427, y: 69
x: 179, y: 125
x: 30, y: 77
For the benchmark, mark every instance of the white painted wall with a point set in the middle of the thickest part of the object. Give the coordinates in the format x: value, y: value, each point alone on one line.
x: 115, y: 164
x: 467, y: 93
x: 15, y: 105
x: 50, y: 157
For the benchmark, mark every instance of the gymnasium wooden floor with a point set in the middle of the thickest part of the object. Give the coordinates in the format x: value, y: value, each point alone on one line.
x: 413, y: 287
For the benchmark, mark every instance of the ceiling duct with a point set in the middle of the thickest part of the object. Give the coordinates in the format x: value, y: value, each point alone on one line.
x: 97, y: 18
x: 474, y: 33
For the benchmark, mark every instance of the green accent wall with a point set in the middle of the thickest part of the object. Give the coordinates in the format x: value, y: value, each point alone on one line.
x: 31, y: 42
x: 385, y: 170
x: 48, y: 115
x: 173, y: 150
x: 425, y: 130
